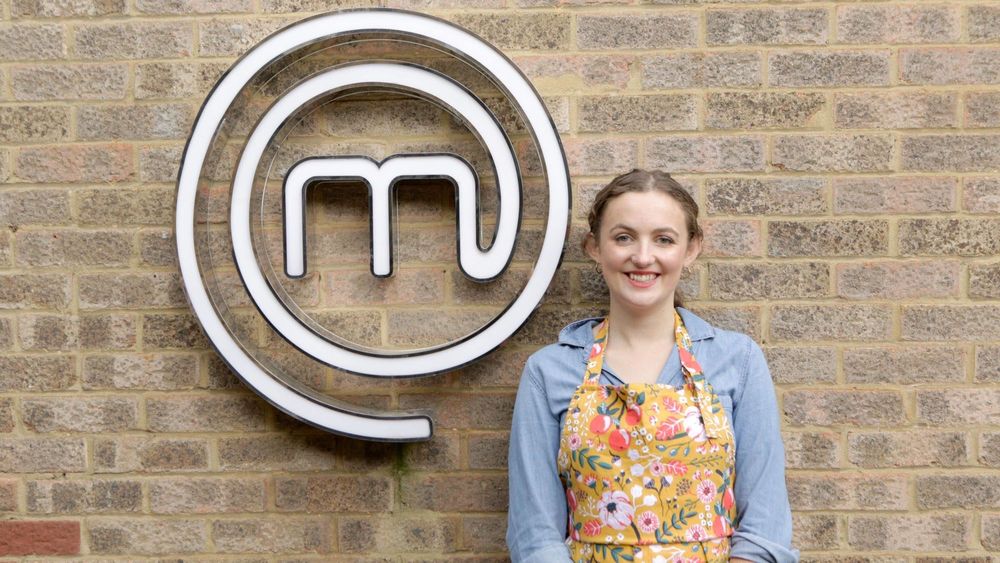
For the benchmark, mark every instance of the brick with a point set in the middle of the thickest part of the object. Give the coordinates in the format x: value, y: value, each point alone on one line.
x: 991, y: 531
x: 835, y: 407
x: 592, y: 157
x: 745, y: 319
x: 930, y: 322
x: 841, y: 68
x: 831, y: 322
x: 45, y: 82
x: 812, y: 450
x: 189, y: 495
x: 107, y: 331
x: 637, y: 32
x: 815, y: 531
x: 904, y: 365
x: 731, y: 153
x: 146, y: 536
x: 24, y: 42
x: 577, y: 72
x: 134, y: 40
x: 895, y: 110
x: 950, y: 65
x: 74, y: 163
x: 160, y: 121
x: 159, y: 163
x: 897, y: 24
x: 278, y: 453
x: 112, y: 206
x: 172, y: 331
x: 920, y: 533
x: 847, y: 491
x: 734, y: 281
x: 370, y: 493
x: 150, y: 455
x: 34, y: 207
x: 898, y: 280
x: 284, y: 536
x: 34, y: 455
x: 517, y: 32
x: 982, y: 109
x: 5, y: 168
x: 833, y: 153
x: 957, y: 406
x: 637, y: 113
x: 41, y: 537
x: 352, y: 288
x: 169, y: 7
x: 84, y: 497
x: 960, y: 153
x: 7, y: 423
x: 8, y: 495
x: 988, y: 364
x: 839, y: 237
x: 989, y: 449
x: 728, y: 69
x: 894, y: 194
x: 952, y: 237
x: 59, y: 9
x: 983, y: 23
x: 488, y: 451
x: 958, y: 491
x: 762, y: 110
x: 385, y: 535
x: 765, y: 196
x: 176, y: 80
x: 146, y: 372
x: 34, y: 291
x: 771, y: 26
x: 33, y: 124
x: 5, y: 248
x: 812, y: 364
x: 505, y: 289
x: 919, y: 448
x: 73, y: 248
x: 157, y: 248
x: 462, y: 410
x: 6, y: 333
x: 48, y: 332
x: 455, y: 493
x: 36, y: 373
x: 422, y: 327
x: 731, y: 238
x: 80, y: 414
x: 217, y: 413
x: 131, y: 291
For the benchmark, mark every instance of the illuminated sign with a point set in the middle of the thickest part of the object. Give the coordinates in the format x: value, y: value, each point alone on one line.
x: 477, y: 263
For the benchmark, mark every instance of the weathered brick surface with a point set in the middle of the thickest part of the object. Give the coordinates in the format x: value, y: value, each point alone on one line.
x: 983, y: 281
x: 167, y: 7
x: 386, y: 536
x: 746, y: 110
x: 709, y: 69
x: 733, y: 153
x: 39, y: 537
x: 908, y: 449
x: 958, y: 406
x: 833, y: 153
x: 904, y: 364
x: 37, y: 373
x: 637, y: 32
x: 259, y: 535
x: 946, y: 532
x: 32, y: 455
x: 894, y: 194
x: 796, y: 364
x: 897, y: 110
x: 107, y: 331
x: 984, y: 23
x: 730, y: 281
x: 84, y: 497
x: 146, y: 371
x: 949, y: 65
x: 146, y: 536
x: 768, y: 26
x: 333, y: 494
x: 958, y: 491
x: 48, y: 332
x: 98, y: 81
x: 74, y: 163
x: 899, y: 280
x: 131, y: 291
x: 812, y: 450
x: 847, y: 491
x: 828, y: 238
x: 815, y: 531
x: 73, y: 248
x: 187, y: 495
x: 829, y: 68
x: 929, y: 322
x: 959, y: 153
x: 21, y: 125
x: 988, y: 364
x: 132, y: 40
x: 144, y: 455
x: 31, y: 42
x: 34, y: 207
x: 859, y: 408
x: 203, y: 413
x: 898, y: 24
x: 636, y: 113
x: 731, y: 238
x: 951, y: 237
x: 989, y: 449
x: 159, y: 121
x: 90, y: 414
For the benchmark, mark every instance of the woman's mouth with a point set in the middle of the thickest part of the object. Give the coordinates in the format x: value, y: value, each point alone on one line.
x: 642, y: 278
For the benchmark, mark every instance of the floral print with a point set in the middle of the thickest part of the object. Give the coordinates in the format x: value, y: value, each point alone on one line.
x: 648, y: 468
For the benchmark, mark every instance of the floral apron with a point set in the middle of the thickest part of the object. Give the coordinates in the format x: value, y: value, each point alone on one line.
x: 648, y: 469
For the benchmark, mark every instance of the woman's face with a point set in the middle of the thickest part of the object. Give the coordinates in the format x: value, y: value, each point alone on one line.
x: 642, y: 247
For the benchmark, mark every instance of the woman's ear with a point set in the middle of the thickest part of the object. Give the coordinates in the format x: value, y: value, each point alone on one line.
x: 590, y: 246
x: 693, y: 250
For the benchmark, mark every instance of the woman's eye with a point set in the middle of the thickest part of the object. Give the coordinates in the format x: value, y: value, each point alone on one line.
x: 665, y: 240
x: 622, y: 238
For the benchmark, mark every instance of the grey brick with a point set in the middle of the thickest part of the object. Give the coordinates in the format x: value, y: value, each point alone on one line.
x: 829, y: 68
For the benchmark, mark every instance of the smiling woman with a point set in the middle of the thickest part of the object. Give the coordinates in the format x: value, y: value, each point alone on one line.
x: 648, y: 435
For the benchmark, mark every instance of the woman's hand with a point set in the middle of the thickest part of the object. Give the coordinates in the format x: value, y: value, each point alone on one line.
x: 738, y: 560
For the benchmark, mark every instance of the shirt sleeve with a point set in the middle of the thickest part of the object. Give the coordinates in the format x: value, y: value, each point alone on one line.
x: 764, y: 529
x: 536, y: 519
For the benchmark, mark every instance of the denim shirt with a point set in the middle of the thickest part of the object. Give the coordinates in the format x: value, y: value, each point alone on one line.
x: 735, y: 367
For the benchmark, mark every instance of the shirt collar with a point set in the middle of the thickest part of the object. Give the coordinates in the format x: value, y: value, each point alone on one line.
x: 580, y: 333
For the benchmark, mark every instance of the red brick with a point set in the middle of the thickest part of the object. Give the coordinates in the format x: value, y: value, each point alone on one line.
x: 49, y: 537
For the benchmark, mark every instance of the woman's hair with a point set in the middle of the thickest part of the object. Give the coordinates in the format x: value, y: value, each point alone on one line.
x: 639, y: 180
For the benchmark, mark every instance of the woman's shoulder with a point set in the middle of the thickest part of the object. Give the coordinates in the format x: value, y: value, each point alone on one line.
x: 567, y: 351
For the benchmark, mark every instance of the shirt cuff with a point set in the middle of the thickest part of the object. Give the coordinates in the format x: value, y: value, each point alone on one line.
x: 547, y: 554
x: 755, y: 548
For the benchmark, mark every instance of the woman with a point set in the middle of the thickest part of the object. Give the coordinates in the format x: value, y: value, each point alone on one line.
x: 648, y: 435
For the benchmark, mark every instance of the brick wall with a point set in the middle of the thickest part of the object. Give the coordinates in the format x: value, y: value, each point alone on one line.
x: 847, y: 161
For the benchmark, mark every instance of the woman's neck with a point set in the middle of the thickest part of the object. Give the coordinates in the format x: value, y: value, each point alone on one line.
x: 631, y: 331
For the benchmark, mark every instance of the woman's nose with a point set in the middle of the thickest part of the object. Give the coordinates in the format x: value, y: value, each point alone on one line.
x: 642, y: 257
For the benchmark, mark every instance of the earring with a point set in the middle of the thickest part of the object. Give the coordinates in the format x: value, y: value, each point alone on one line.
x: 597, y: 268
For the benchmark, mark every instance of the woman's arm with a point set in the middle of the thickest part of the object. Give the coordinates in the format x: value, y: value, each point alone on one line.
x: 536, y: 520
x: 764, y: 529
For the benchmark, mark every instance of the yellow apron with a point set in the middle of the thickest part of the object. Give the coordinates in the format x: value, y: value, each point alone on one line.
x: 648, y: 469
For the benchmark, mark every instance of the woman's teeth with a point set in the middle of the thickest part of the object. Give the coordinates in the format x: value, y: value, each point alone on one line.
x: 642, y: 277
